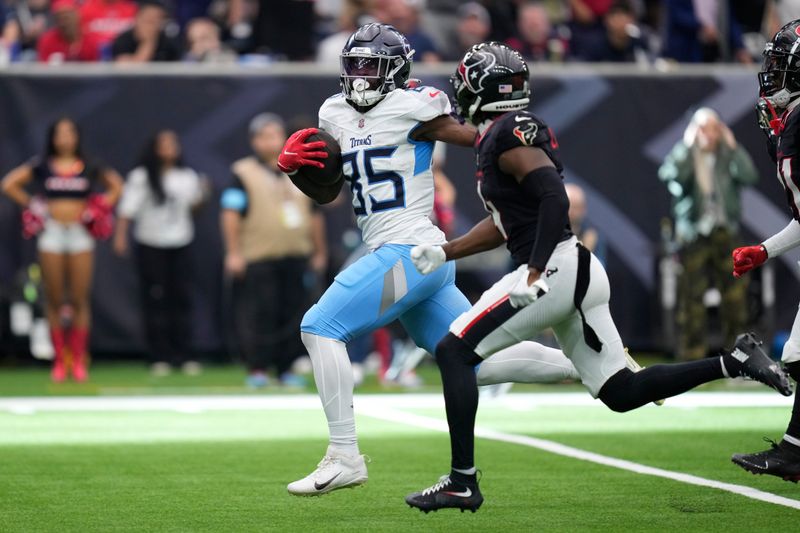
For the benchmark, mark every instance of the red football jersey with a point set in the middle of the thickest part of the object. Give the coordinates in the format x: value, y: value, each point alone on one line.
x: 53, y: 44
x: 105, y: 20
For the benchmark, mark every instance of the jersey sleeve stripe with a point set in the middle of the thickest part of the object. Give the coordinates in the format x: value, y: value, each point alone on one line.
x: 423, y: 152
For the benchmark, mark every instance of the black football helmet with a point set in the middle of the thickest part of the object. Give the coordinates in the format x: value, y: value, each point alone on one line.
x: 492, y: 78
x: 375, y: 61
x: 779, y: 79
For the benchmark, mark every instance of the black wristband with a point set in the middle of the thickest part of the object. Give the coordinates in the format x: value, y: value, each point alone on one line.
x: 545, y: 185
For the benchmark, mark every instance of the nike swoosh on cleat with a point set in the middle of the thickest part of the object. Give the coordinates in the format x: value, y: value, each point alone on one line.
x: 466, y: 494
x: 320, y: 486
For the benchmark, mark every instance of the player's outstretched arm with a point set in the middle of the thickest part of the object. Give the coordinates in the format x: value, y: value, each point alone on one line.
x: 482, y: 237
x: 747, y: 258
x: 446, y: 129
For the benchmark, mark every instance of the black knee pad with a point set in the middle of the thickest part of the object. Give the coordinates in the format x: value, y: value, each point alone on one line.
x: 616, y: 393
x: 793, y: 369
x: 453, y: 350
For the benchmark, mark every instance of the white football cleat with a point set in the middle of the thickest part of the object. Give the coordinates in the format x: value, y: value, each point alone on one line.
x: 335, y: 471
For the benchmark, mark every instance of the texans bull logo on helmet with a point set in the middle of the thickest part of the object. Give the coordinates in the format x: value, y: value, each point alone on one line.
x: 475, y: 68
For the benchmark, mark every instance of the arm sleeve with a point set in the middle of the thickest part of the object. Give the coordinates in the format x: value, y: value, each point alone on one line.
x: 545, y: 185
x: 234, y: 196
x: 783, y: 241
x: 134, y: 194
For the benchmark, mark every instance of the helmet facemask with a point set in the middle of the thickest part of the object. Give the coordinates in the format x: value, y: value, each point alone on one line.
x: 367, y: 77
x: 777, y: 79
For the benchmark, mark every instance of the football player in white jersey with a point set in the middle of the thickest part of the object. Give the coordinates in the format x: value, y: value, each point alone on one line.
x: 387, y: 135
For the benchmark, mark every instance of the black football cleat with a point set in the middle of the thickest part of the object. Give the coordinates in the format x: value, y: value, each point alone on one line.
x: 456, y: 491
x: 780, y: 460
x: 747, y: 359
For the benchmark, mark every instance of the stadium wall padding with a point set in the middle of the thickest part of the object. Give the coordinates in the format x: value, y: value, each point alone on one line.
x: 613, y: 131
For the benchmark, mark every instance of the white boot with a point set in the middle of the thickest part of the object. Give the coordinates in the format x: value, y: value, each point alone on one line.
x: 335, y: 471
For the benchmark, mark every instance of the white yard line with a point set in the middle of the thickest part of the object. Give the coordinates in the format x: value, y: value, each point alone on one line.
x: 434, y: 424
x: 387, y: 407
x: 522, y: 401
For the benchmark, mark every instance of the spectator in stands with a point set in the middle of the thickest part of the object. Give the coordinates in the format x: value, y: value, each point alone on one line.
x: 282, y: 29
x: 780, y: 12
x: 702, y: 31
x: 404, y: 15
x: 588, y: 13
x: 705, y: 173
x: 203, y: 43
x: 159, y: 197
x: 577, y: 221
x: 32, y: 18
x: 66, y: 218
x: 503, y: 16
x: 440, y: 20
x: 66, y: 41
x: 272, y: 234
x: 10, y: 36
x: 474, y: 26
x: 536, y: 38
x: 147, y: 41
x: 587, y: 21
x: 184, y: 11
x: 330, y: 48
x: 106, y: 19
x: 620, y: 42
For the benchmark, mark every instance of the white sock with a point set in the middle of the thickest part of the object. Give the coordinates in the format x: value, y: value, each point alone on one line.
x: 334, y: 378
x: 467, y: 472
x: 526, y: 362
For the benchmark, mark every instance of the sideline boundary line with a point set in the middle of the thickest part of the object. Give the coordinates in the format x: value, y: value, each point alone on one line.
x: 516, y: 401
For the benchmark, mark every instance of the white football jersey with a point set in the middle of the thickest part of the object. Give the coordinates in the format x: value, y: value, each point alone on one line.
x: 389, y: 173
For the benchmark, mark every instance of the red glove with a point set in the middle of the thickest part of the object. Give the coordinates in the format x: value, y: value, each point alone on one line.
x: 747, y: 258
x: 298, y: 153
x: 98, y: 217
x: 33, y: 217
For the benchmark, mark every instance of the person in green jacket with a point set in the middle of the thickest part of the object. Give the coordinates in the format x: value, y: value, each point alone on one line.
x: 705, y: 173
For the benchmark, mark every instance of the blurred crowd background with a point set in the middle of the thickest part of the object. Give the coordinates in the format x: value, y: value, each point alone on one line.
x: 265, y: 31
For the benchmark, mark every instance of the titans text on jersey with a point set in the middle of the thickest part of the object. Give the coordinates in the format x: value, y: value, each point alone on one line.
x: 389, y: 173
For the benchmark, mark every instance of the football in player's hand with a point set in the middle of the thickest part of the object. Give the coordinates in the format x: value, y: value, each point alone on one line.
x: 332, y: 171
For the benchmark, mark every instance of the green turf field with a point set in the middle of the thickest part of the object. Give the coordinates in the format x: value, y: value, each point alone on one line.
x: 190, y: 467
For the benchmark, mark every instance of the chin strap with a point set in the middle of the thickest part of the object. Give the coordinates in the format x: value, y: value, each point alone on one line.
x: 772, y: 108
x: 768, y: 119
